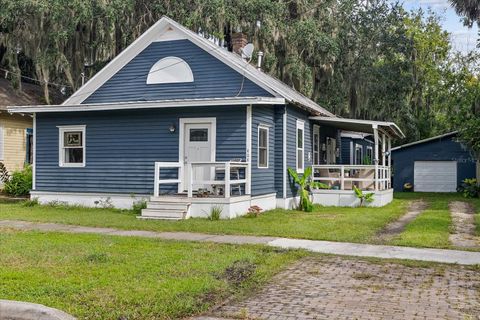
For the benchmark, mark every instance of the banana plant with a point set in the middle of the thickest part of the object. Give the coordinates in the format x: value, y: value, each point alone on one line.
x: 364, y: 197
x: 305, y: 186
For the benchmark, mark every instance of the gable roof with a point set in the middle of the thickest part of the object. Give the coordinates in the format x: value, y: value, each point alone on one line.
x: 445, y: 135
x: 168, y: 29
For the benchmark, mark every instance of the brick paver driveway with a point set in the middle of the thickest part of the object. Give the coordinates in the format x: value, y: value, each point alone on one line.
x: 342, y: 288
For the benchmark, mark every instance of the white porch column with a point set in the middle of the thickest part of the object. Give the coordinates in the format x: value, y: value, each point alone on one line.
x: 389, y: 150
x: 384, y: 174
x: 375, y: 135
x: 248, y: 171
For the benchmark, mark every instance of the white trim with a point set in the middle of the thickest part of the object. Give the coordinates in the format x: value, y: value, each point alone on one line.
x: 34, y: 150
x: 263, y: 127
x: 284, y: 153
x: 352, y: 153
x: 248, y: 147
x: 301, y: 126
x: 359, y: 147
x: 181, y: 144
x: 173, y: 103
x: 61, y: 153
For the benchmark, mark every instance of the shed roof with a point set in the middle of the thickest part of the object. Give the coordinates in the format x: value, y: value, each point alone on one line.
x: 445, y: 135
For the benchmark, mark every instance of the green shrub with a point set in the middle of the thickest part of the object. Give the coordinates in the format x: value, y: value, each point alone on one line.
x: 215, y: 213
x: 20, y: 182
x: 469, y: 188
x: 138, y: 206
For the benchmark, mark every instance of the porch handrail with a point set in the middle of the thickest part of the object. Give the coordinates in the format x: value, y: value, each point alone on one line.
x: 227, y: 167
x: 381, y: 178
x: 158, y: 181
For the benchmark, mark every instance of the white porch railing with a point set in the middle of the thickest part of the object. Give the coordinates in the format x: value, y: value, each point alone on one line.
x: 344, y: 177
x: 217, y: 178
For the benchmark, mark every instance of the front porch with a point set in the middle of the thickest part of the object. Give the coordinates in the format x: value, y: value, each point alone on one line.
x: 194, y: 189
x: 374, y: 177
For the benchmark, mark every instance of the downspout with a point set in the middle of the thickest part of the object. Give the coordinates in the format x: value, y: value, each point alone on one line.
x: 248, y: 151
x: 34, y: 150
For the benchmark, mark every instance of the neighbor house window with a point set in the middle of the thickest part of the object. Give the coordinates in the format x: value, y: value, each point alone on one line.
x: 262, y: 147
x: 72, y: 146
x: 1, y: 144
x: 300, y: 145
x: 369, y: 155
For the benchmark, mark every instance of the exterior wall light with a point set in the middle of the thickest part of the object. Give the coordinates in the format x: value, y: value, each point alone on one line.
x: 172, y: 128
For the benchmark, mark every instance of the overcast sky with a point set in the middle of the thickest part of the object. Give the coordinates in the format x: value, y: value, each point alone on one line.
x: 463, y: 38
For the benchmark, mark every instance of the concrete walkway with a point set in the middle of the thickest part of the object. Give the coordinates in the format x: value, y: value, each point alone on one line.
x: 338, y: 248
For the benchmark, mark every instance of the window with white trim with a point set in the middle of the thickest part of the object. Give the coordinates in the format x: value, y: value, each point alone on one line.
x: 300, y: 146
x: 71, y: 146
x: 370, y: 154
x: 263, y: 146
x: 358, y: 154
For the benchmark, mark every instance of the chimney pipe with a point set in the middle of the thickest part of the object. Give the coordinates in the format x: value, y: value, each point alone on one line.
x: 259, y: 60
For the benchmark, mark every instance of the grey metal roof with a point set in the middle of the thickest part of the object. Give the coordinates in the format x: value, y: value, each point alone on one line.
x: 256, y: 75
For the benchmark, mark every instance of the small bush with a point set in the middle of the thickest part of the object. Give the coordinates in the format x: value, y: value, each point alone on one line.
x: 20, y: 183
x: 469, y: 188
x: 215, y: 213
x: 138, y: 206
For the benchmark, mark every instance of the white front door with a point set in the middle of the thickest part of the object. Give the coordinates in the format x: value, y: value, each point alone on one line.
x: 198, y: 146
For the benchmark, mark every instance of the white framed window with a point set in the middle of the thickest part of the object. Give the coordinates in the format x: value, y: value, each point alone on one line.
x: 358, y: 154
x: 316, y: 144
x: 71, y: 141
x: 300, y: 146
x: 263, y: 146
x: 370, y: 154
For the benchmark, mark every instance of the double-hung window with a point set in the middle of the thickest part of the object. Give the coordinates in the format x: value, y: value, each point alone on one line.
x: 263, y: 147
x: 316, y: 144
x: 358, y: 154
x: 300, y: 146
x: 71, y: 146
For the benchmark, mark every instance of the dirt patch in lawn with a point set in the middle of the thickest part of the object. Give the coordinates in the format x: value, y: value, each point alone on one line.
x: 394, y: 228
x: 463, y: 224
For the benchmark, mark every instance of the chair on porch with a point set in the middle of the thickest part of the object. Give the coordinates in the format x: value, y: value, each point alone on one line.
x: 325, y: 173
x: 234, y: 174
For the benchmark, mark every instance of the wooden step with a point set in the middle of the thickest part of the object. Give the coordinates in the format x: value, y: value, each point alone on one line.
x: 167, y: 205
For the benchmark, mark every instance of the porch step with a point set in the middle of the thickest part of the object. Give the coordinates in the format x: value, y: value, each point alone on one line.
x: 165, y: 210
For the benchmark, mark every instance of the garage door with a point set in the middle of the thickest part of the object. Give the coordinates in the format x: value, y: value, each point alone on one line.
x: 435, y: 176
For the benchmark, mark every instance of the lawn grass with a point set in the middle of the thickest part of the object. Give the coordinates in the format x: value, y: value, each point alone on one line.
x: 107, y: 277
x: 433, y: 227
x: 326, y: 223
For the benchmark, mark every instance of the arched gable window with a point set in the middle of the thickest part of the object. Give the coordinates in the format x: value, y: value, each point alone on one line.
x: 170, y: 70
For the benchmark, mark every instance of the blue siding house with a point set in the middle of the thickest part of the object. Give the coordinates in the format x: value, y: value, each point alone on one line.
x: 186, y: 124
x: 437, y: 164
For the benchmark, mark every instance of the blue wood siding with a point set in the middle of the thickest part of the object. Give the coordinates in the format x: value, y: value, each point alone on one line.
x: 445, y: 149
x: 122, y: 146
x: 294, y: 114
x: 279, y: 169
x: 263, y: 179
x: 212, y: 78
x: 345, y: 148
